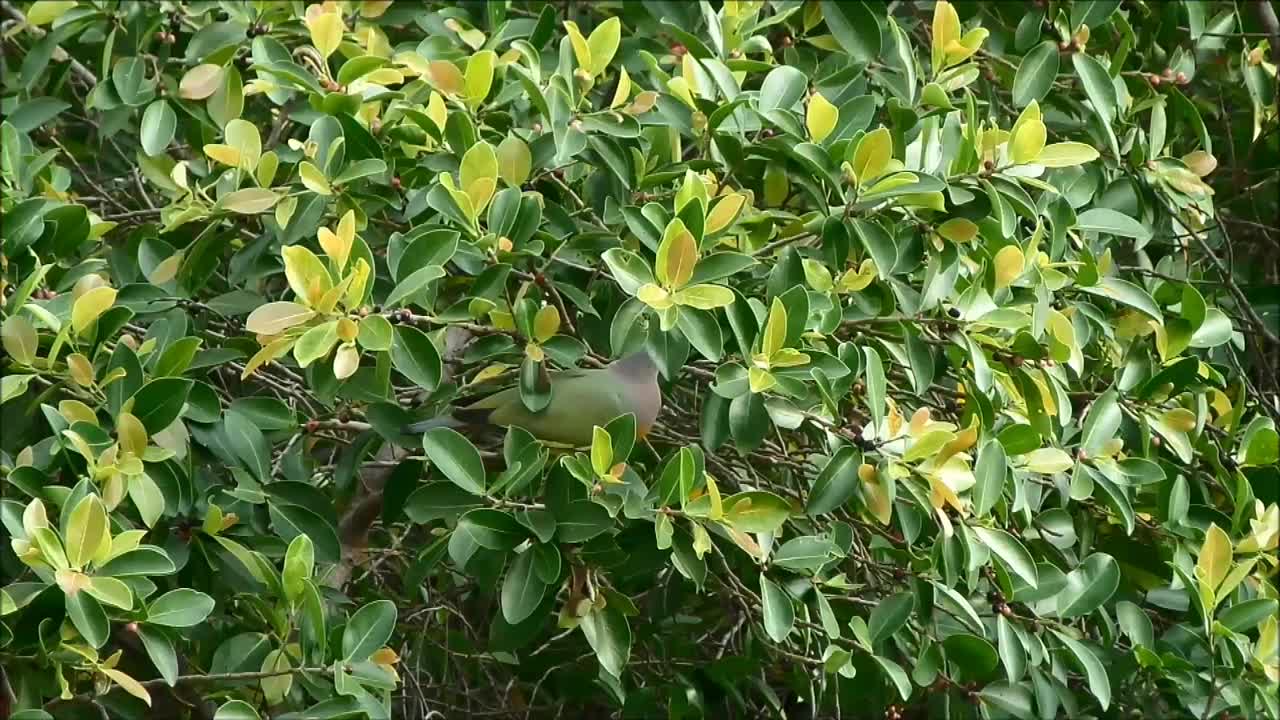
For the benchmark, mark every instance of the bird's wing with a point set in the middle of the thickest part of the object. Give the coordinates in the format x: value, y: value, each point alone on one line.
x: 579, y: 402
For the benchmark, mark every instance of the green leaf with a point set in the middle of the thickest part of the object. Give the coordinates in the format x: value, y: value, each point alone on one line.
x: 989, y: 475
x: 1012, y: 552
x: 246, y: 441
x: 456, y: 458
x: 1035, y: 74
x: 835, y: 483
x: 609, y: 635
x: 1106, y: 220
x: 1245, y: 616
x: 522, y: 589
x: 806, y: 553
x: 183, y: 607
x: 854, y: 26
x: 779, y: 614
x: 416, y: 357
x: 159, y: 122
x: 782, y: 89
x: 1089, y: 586
x: 414, y: 284
x: 1095, y: 671
x: 492, y: 529
x: 236, y: 710
x: 89, y: 619
x: 1126, y: 293
x: 756, y: 511
x: 875, y: 386
x: 158, y: 403
x: 368, y: 629
x: 1011, y: 698
x: 582, y: 520
x: 162, y: 654
x: 889, y: 616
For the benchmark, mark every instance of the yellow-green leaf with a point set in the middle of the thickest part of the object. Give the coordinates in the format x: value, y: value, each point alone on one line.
x: 200, y: 82
x: 817, y: 275
x: 20, y: 339
x: 275, y: 318
x: 446, y: 77
x: 128, y: 684
x: 623, y: 92
x: 87, y: 531
x: 704, y: 297
x: 1066, y: 154
x: 946, y: 30
x: 326, y: 31
x: 307, y: 276
x: 581, y: 50
x: 603, y: 43
x: 1214, y: 561
x: 1027, y: 137
x: 858, y: 280
x: 131, y: 434
x: 775, y: 329
x: 267, y: 165
x: 275, y: 687
x: 546, y: 323
x: 820, y: 118
x: 654, y: 296
x: 1048, y: 461
x: 760, y: 380
x: 479, y: 175
x: 677, y: 256
x: 958, y: 230
x: 89, y: 306
x: 315, y: 180
x: 224, y: 154
x: 725, y: 212
x: 43, y: 12
x: 601, y: 450
x: 250, y: 201
x: 244, y: 137
x: 872, y: 155
x: 1009, y: 262
x: 338, y: 245
x: 514, y: 161
x: 273, y: 350
x: 479, y: 77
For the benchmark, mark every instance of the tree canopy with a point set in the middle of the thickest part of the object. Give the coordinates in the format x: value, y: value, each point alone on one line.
x: 965, y: 319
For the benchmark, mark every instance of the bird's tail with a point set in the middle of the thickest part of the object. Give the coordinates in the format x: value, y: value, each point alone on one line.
x: 422, y: 426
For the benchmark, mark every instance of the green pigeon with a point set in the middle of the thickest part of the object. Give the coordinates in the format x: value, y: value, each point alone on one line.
x: 580, y: 400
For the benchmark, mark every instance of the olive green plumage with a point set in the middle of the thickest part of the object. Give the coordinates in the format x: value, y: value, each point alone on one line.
x: 580, y: 400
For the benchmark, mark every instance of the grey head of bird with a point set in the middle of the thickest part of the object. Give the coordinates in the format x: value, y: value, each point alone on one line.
x: 637, y: 375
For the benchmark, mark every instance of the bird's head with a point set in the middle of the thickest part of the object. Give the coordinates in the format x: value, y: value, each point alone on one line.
x: 638, y: 365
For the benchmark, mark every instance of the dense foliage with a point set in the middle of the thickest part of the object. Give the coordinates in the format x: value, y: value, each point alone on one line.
x: 965, y: 317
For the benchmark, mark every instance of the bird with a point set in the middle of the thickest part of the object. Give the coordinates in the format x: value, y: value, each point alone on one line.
x: 581, y: 399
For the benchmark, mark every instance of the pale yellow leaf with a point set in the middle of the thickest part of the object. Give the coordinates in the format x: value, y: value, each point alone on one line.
x: 200, y: 82
x: 89, y: 306
x: 820, y: 117
x: 1009, y: 262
